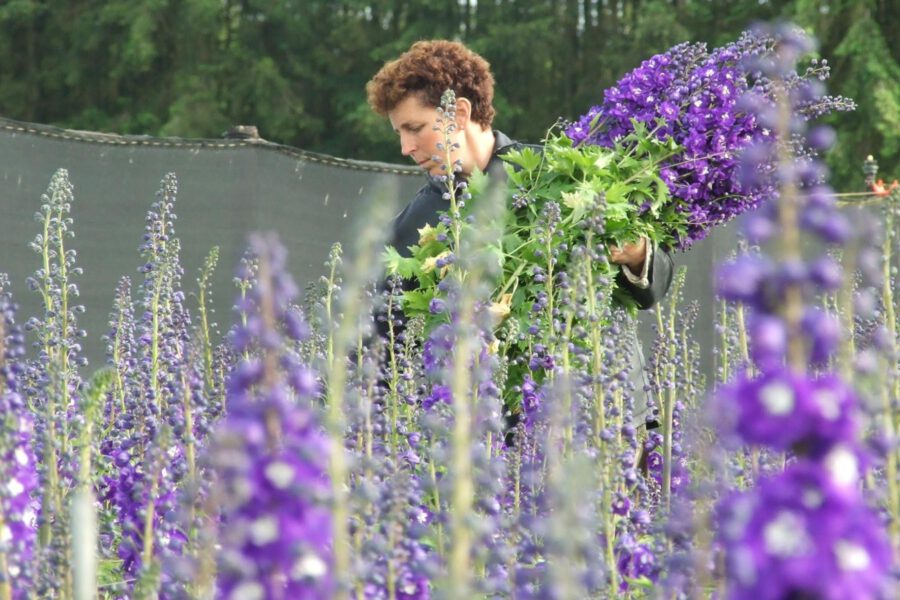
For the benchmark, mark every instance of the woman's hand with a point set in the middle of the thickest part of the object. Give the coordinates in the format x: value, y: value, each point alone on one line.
x: 631, y: 255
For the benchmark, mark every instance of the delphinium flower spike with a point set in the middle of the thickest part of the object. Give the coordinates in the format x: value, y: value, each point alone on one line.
x: 53, y: 382
x: 206, y: 326
x: 19, y: 493
x: 805, y: 531
x: 270, y: 457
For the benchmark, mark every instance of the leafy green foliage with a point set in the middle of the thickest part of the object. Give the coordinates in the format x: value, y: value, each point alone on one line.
x: 559, y: 198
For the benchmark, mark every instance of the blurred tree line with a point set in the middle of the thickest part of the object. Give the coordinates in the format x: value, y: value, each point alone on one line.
x: 297, y: 68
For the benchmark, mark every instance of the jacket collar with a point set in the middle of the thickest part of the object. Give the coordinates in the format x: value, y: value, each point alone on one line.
x: 502, y: 144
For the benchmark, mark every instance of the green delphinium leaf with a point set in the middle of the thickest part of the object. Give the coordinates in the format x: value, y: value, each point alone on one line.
x: 617, y: 194
x: 580, y: 202
x: 407, y: 268
x: 527, y: 158
x: 417, y: 301
x: 604, y: 160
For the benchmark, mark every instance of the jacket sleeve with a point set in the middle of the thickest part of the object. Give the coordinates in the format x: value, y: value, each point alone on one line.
x: 660, y: 276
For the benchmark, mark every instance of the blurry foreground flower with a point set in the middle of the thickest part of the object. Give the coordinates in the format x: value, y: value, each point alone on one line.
x: 270, y: 457
x: 805, y: 534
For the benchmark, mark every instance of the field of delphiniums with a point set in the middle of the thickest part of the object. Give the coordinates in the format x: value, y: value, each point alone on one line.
x: 496, y: 441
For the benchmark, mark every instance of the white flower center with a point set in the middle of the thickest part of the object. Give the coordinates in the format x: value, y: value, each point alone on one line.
x: 777, y: 398
x: 248, y: 590
x: 785, y: 535
x: 828, y: 403
x: 741, y: 513
x: 264, y: 530
x: 309, y: 565
x: 5, y: 534
x: 21, y: 456
x: 851, y: 557
x: 843, y: 466
x: 280, y: 474
x: 744, y: 566
x: 812, y: 498
x: 15, y: 488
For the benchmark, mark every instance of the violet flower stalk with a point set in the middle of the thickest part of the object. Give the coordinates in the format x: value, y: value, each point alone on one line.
x: 204, y: 294
x: 153, y: 449
x: 271, y: 458
x: 806, y: 531
x: 19, y: 494
x: 342, y: 314
x: 55, y: 384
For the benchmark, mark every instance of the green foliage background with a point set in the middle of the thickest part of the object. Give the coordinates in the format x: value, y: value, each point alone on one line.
x: 297, y: 68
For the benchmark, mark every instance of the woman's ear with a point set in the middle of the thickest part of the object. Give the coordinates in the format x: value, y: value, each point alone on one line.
x: 463, y: 112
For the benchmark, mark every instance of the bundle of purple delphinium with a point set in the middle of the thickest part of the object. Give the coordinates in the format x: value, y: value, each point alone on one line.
x: 805, y: 530
x: 694, y: 96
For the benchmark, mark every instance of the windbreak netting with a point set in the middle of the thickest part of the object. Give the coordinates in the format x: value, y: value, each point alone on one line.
x: 226, y: 189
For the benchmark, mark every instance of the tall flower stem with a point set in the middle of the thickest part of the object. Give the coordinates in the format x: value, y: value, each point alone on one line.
x: 667, y: 329
x: 724, y: 354
x: 600, y: 423
x: 5, y: 583
x: 890, y: 416
x: 202, y: 301
x: 50, y: 501
x: 463, y: 493
x: 337, y: 381
x: 789, y: 248
x: 342, y: 334
x: 744, y: 347
x: 84, y: 534
x: 394, y: 383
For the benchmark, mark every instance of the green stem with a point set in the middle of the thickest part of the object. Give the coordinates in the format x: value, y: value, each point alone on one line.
x: 723, y: 322
x: 5, y: 583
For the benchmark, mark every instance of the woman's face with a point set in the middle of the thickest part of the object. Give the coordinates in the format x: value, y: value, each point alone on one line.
x: 415, y: 123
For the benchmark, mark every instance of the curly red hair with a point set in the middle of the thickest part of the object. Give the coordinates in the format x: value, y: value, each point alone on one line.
x: 429, y: 68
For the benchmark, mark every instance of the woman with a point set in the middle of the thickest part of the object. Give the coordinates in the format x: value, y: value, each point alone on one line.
x: 408, y: 91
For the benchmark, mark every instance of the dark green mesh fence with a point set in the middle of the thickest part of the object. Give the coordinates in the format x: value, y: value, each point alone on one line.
x: 226, y: 188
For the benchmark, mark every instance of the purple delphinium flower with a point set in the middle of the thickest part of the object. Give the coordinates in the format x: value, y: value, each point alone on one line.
x: 634, y: 561
x: 146, y: 453
x: 694, y: 96
x: 804, y: 533
x: 788, y: 411
x: 53, y: 383
x: 18, y: 490
x: 270, y: 459
x: 531, y: 400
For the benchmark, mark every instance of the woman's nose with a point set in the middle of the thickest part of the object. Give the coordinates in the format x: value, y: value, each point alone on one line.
x: 406, y: 146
